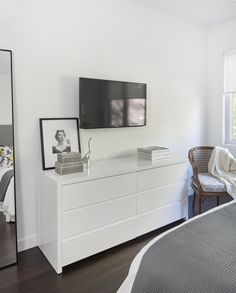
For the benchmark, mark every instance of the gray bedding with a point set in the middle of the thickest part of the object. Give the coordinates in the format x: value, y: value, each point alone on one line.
x: 6, y: 178
x: 199, y: 257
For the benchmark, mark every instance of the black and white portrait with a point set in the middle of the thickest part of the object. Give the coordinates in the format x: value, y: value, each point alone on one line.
x: 63, y: 143
x: 58, y: 135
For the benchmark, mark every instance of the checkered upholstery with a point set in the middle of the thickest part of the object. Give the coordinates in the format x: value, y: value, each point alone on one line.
x: 201, y: 158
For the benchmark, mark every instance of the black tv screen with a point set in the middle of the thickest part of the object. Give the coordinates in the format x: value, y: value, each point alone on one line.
x: 109, y: 103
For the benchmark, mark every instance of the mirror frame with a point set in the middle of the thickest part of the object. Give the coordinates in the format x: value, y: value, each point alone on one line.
x: 14, y: 155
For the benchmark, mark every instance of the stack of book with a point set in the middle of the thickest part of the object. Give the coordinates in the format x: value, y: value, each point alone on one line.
x: 153, y: 153
x: 68, y: 163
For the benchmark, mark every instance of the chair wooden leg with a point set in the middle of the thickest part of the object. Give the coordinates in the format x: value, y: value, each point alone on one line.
x: 218, y: 200
x: 199, y: 204
x: 194, y: 199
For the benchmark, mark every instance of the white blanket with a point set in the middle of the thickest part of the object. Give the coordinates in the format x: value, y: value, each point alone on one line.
x: 222, y: 165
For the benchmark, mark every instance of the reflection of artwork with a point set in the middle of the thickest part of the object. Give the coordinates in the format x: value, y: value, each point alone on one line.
x: 136, y: 112
x: 117, y: 112
x: 129, y: 112
x: 63, y: 143
x: 58, y: 135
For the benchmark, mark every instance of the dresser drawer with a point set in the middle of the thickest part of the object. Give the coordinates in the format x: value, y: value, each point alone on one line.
x: 97, y: 216
x: 152, y: 178
x: 93, y: 242
x: 161, y: 196
x: 95, y: 191
x: 161, y: 217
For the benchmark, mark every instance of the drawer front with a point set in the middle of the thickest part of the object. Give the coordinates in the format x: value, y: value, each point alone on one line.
x: 161, y: 196
x: 161, y: 176
x: 97, y: 216
x: 96, y: 241
x: 94, y: 191
x: 161, y: 217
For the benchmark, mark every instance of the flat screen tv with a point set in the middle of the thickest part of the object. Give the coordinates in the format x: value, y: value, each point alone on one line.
x: 109, y: 103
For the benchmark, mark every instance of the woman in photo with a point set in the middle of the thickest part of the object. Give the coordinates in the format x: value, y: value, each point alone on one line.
x: 63, y: 143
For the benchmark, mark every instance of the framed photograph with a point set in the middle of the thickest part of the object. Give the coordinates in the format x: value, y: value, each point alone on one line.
x: 58, y: 135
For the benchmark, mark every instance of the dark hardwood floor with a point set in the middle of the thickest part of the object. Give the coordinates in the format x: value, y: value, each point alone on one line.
x: 102, y: 273
x: 7, y: 242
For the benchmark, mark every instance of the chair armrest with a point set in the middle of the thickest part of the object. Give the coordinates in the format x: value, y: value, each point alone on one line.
x: 194, y: 167
x: 195, y: 179
x: 195, y: 173
x: 196, y: 182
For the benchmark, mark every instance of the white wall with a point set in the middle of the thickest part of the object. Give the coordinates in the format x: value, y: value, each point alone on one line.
x: 55, y: 42
x: 221, y: 38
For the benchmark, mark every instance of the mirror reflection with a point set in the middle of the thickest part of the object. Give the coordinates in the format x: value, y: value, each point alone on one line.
x: 8, y: 253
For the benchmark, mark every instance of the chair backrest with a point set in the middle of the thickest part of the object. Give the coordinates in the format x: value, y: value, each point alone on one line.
x: 199, y: 158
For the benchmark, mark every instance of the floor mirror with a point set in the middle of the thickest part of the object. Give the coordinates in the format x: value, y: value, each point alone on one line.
x: 8, y: 240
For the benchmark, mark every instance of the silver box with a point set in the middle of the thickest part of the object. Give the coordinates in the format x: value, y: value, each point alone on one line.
x: 68, y: 168
x: 73, y: 157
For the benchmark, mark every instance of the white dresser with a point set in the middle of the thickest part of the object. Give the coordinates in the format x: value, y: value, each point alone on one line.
x: 115, y: 201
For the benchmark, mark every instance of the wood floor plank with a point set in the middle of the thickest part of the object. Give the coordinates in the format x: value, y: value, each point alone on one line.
x: 7, y: 242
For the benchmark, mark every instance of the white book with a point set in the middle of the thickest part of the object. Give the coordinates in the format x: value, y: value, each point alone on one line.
x: 153, y: 155
x: 153, y: 149
x: 162, y: 157
x: 153, y: 158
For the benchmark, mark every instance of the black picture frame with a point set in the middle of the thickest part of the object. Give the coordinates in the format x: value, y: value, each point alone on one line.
x: 51, y: 131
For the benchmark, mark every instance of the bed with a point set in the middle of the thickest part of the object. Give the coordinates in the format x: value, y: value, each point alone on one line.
x: 198, y: 256
x: 7, y: 198
x: 7, y: 193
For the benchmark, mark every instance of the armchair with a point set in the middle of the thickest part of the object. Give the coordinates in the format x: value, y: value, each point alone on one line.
x: 203, y: 183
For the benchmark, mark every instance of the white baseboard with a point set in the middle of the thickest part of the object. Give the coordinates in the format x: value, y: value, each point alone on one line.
x: 27, y: 243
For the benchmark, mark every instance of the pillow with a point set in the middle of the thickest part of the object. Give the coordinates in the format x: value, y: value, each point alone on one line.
x: 6, y: 155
